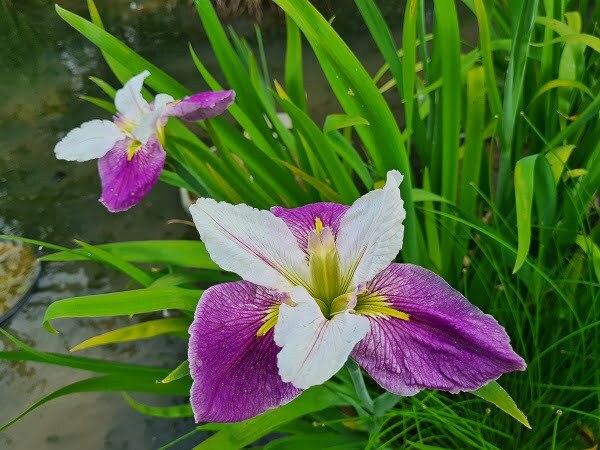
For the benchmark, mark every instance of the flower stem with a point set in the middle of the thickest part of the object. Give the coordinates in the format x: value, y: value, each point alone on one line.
x: 359, y: 385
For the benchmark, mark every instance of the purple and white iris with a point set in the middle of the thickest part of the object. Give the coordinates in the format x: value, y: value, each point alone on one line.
x: 319, y: 285
x: 129, y: 148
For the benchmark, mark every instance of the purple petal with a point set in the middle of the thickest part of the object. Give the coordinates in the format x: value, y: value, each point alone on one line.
x: 125, y: 182
x: 201, y: 106
x: 235, y: 371
x: 302, y: 220
x: 446, y: 344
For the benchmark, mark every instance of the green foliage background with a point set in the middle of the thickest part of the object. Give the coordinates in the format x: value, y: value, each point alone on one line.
x: 500, y: 149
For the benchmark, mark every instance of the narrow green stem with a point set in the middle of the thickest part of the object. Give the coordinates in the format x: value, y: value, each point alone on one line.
x: 359, y: 385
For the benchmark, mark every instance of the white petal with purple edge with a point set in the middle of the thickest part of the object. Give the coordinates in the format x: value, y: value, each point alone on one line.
x: 252, y: 243
x: 314, y: 348
x: 129, y: 100
x: 371, y: 231
x: 91, y: 140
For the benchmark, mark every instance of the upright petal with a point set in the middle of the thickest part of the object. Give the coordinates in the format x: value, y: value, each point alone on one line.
x: 91, y: 140
x: 314, y: 348
x: 152, y: 120
x: 252, y: 243
x: 125, y: 181
x: 201, y: 106
x: 233, y: 368
x: 446, y: 343
x: 129, y: 100
x: 302, y: 220
x: 371, y: 231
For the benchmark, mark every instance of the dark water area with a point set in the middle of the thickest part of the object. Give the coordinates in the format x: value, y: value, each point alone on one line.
x: 44, y: 68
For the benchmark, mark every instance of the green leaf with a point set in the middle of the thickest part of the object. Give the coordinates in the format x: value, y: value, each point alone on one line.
x: 592, y: 250
x: 554, y: 84
x: 177, y: 253
x: 83, y: 363
x: 338, y: 121
x: 294, y: 76
x: 322, y: 147
x: 513, y: 90
x: 350, y: 156
x: 76, y: 362
x: 239, y: 435
x: 524, y: 183
x: 122, y: 303
x: 182, y: 370
x: 107, y: 106
x: 487, y: 60
x: 447, y: 42
x: 558, y: 158
x: 109, y: 383
x: 158, y: 80
x: 144, y: 330
x: 164, y: 412
x: 474, y: 141
x: 110, y: 259
x: 323, y: 188
x: 423, y: 195
x: 494, y: 393
x: 174, y: 179
x: 359, y: 96
x: 321, y: 441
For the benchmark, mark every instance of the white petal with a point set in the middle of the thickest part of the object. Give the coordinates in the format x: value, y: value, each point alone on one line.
x: 252, y: 243
x: 91, y: 140
x: 314, y: 348
x: 151, y: 121
x: 371, y: 231
x: 129, y: 100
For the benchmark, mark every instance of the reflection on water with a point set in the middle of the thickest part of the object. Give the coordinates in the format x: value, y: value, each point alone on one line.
x: 44, y: 66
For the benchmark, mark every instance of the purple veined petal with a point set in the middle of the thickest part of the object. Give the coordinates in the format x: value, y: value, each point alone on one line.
x: 302, y: 220
x: 201, y: 106
x: 234, y: 370
x: 126, y: 181
x: 447, y: 343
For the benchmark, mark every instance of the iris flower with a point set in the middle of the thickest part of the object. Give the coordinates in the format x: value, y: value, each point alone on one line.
x: 319, y: 286
x: 129, y: 148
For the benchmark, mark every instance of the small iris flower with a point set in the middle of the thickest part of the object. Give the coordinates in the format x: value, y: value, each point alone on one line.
x: 129, y: 148
x: 319, y: 285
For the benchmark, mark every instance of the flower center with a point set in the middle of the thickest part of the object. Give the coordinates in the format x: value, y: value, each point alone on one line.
x: 326, y: 281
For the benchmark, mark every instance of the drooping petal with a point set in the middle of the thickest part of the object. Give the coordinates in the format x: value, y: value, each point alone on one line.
x: 152, y: 120
x: 302, y: 220
x: 447, y: 343
x: 126, y: 181
x: 234, y: 370
x: 91, y: 140
x: 314, y: 348
x: 252, y: 243
x: 201, y: 106
x: 371, y: 231
x: 129, y: 100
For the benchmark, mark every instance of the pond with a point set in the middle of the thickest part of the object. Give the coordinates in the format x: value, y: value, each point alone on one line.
x: 44, y: 71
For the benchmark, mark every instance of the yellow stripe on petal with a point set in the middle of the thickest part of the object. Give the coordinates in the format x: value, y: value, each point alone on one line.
x: 318, y: 226
x: 377, y: 306
x: 269, y: 320
x: 132, y: 149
